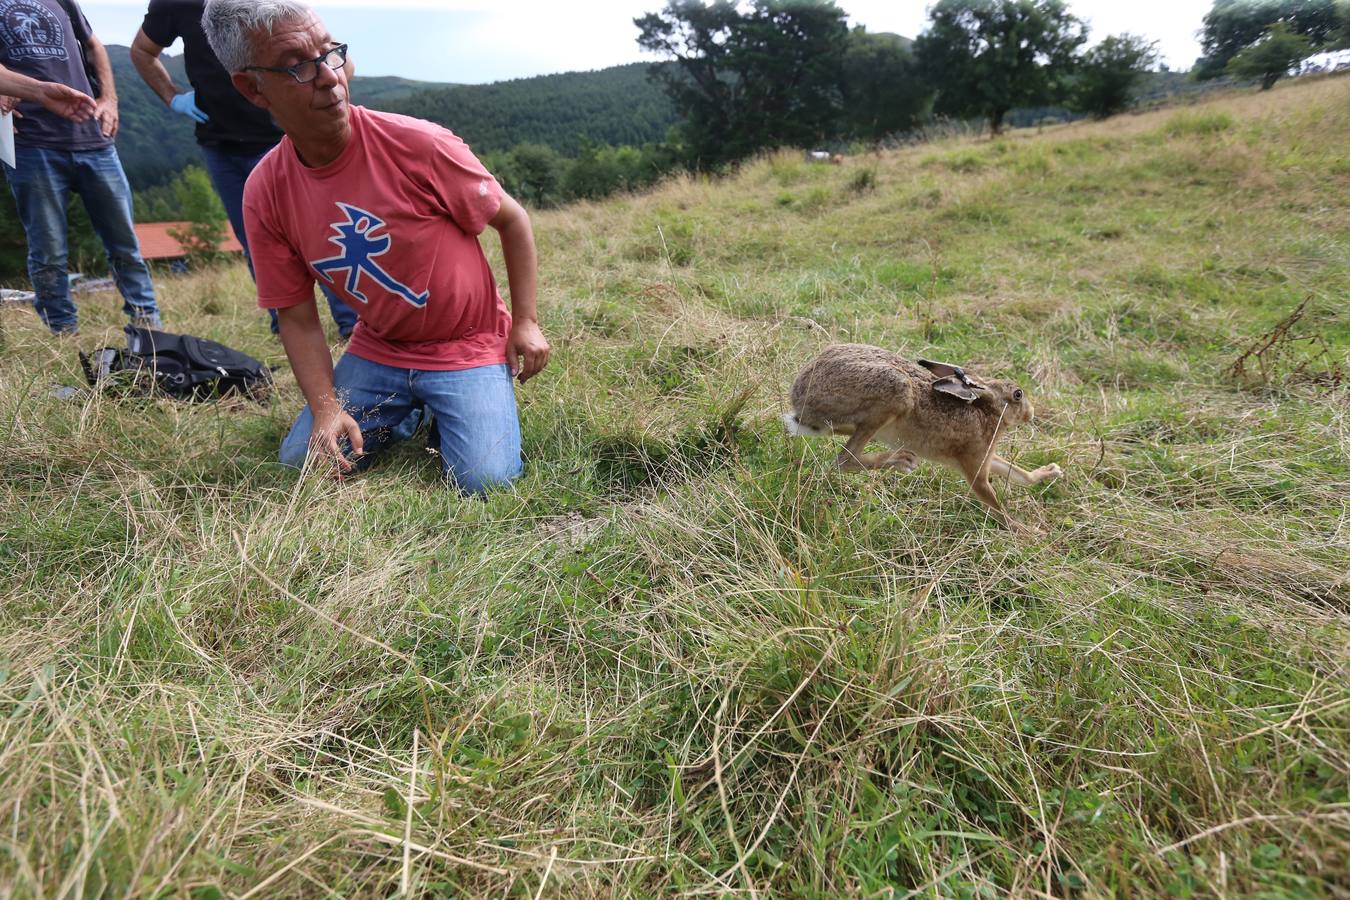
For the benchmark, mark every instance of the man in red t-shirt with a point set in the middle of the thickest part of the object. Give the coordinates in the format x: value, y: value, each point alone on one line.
x: 386, y: 211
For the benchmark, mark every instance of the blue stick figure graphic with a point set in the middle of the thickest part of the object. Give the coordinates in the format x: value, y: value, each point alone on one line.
x: 360, y: 245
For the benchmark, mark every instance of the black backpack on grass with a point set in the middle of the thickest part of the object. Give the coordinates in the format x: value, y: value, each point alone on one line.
x: 179, y: 365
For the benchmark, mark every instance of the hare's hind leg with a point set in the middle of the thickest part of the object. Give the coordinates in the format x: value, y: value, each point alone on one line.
x: 1001, y: 468
x: 853, y: 459
x: 900, y: 458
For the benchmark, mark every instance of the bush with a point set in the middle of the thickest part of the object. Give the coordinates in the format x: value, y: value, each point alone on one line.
x: 1109, y: 72
x: 205, y: 229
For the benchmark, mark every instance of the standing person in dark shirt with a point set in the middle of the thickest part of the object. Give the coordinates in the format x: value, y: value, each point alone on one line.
x: 47, y: 40
x: 233, y: 134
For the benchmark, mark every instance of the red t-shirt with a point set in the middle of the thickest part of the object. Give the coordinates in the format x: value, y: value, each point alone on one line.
x: 392, y: 227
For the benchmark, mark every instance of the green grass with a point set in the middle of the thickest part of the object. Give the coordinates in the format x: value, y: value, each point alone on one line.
x: 686, y: 655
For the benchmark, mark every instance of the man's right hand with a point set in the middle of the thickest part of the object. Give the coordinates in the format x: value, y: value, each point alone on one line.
x: 105, y: 110
x: 326, y: 440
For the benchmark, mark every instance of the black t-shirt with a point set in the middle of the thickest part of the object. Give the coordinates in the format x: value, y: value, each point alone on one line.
x: 37, y: 40
x: 235, y: 126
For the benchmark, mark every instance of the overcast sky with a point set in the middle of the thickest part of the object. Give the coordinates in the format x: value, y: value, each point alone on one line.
x: 476, y: 41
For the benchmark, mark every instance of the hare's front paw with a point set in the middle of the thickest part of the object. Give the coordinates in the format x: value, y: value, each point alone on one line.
x: 1047, y: 472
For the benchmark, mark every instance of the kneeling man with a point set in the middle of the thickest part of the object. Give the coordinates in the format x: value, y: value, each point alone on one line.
x: 386, y: 210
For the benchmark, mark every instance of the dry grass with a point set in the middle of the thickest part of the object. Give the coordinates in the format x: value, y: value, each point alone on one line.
x: 684, y: 656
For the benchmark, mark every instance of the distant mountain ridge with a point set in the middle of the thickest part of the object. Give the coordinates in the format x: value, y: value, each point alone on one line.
x: 155, y: 143
x: 617, y: 105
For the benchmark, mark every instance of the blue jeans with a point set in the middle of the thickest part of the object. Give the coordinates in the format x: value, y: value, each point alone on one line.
x: 228, y: 173
x: 473, y: 410
x: 42, y: 185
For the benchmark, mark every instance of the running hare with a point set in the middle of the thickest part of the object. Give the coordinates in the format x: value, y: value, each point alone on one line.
x: 931, y: 410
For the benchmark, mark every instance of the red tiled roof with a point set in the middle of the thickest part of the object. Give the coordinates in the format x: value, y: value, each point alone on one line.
x: 156, y: 242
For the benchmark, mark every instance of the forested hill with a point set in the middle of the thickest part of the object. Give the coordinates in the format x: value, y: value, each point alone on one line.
x: 615, y: 106
x: 155, y: 143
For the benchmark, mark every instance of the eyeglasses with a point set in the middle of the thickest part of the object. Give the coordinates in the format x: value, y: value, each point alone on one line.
x: 307, y: 71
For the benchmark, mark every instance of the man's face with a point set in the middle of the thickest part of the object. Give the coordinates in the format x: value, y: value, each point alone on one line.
x: 314, y: 111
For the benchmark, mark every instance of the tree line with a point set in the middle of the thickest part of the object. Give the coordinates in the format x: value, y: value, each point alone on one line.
x: 747, y: 77
x: 772, y: 73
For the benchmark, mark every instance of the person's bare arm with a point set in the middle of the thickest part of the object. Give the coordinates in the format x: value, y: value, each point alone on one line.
x: 526, y: 349
x: 107, y: 101
x: 58, y: 98
x: 145, y: 57
x: 307, y: 349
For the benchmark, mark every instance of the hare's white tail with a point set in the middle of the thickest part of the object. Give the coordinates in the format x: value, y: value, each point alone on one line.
x: 797, y: 429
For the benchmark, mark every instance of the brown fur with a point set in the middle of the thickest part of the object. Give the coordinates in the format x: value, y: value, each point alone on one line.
x: 872, y: 394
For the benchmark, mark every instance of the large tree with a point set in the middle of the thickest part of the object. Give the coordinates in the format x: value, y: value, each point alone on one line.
x: 883, y: 94
x: 748, y: 79
x: 1107, y: 74
x: 987, y: 57
x: 1232, y: 26
x: 1271, y: 58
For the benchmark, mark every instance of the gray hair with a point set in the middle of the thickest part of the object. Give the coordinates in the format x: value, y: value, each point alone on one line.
x: 230, y: 26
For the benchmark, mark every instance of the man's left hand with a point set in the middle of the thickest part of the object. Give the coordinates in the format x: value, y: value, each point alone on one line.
x: 526, y: 349
x: 106, y: 113
x: 68, y: 102
x: 11, y: 105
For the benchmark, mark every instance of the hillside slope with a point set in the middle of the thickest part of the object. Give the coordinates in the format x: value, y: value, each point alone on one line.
x: 684, y: 654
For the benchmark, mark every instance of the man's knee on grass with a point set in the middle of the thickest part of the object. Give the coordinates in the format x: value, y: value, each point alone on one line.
x: 478, y: 478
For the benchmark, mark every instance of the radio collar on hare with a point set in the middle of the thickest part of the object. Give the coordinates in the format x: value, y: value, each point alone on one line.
x: 927, y: 410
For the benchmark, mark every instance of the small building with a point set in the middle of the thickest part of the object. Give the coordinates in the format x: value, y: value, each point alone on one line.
x: 157, y: 245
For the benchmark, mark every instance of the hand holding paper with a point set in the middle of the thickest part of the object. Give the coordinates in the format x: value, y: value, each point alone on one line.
x: 7, y: 139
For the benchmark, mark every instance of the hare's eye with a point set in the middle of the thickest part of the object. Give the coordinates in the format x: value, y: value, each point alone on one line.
x: 1017, y: 396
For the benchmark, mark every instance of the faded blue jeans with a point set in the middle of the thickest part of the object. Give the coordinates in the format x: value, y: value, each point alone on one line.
x: 473, y: 413
x: 42, y: 185
x: 229, y: 172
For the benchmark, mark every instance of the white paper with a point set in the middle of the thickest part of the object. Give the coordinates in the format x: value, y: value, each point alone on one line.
x: 7, y: 139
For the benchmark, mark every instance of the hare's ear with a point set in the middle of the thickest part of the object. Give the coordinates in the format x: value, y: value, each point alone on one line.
x: 968, y: 390
x: 947, y: 370
x: 940, y: 369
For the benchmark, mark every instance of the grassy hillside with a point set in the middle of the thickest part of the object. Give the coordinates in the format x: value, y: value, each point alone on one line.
x: 686, y: 655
